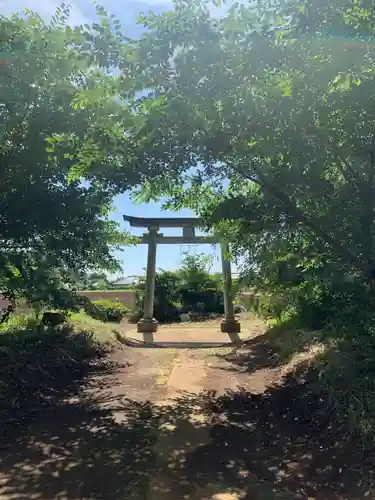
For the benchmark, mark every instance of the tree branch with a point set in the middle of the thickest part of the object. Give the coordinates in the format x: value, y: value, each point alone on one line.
x: 352, y: 177
x: 299, y: 215
x: 367, y: 221
x: 365, y: 196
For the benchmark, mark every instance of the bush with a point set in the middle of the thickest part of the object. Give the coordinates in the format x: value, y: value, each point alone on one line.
x: 271, y: 306
x: 167, y: 298
x: 106, y: 310
x: 341, y: 316
x: 164, y: 311
x: 37, y: 363
x: 326, y: 305
x: 203, y: 301
x: 341, y: 306
x: 25, y: 323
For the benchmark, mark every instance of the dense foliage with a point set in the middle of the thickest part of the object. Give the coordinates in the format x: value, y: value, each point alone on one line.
x: 57, y: 112
x: 277, y: 129
x: 189, y: 289
x: 106, y: 310
x: 276, y: 147
x: 199, y: 291
x: 260, y: 118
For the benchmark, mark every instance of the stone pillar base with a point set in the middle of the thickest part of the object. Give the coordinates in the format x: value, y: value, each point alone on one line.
x: 147, y: 325
x: 230, y: 325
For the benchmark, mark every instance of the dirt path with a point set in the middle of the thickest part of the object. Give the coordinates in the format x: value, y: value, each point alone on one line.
x: 168, y: 424
x: 184, y: 448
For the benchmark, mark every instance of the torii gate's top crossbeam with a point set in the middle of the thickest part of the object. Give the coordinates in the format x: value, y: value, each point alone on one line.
x: 153, y: 224
x: 162, y: 221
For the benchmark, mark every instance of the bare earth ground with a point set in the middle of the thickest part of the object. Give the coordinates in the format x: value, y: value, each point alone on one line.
x: 182, y: 422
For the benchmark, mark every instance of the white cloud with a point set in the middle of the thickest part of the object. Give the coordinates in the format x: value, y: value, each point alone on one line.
x: 45, y: 9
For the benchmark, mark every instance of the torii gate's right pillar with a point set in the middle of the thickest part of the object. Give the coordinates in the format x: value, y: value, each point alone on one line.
x: 229, y: 324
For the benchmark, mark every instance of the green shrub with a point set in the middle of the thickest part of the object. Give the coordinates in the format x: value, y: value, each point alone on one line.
x: 336, y: 305
x: 21, y: 324
x: 106, y: 310
x: 272, y: 306
x: 167, y: 299
x: 341, y: 306
x: 206, y: 301
x: 340, y: 315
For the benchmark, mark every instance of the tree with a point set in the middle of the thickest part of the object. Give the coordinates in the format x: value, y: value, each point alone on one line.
x: 264, y: 118
x: 58, y: 115
x: 194, y: 271
x: 200, y: 292
x: 93, y: 281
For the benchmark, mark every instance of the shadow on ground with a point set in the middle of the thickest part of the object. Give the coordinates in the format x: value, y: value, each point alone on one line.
x: 276, y: 445
x: 149, y: 342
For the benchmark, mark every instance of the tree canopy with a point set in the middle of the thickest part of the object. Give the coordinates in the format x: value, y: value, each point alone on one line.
x: 57, y: 115
x: 262, y: 120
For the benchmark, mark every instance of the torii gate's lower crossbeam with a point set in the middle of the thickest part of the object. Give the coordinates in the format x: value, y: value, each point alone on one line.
x: 148, y: 324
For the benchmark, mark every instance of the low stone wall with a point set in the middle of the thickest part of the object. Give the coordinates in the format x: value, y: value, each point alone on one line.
x: 127, y: 297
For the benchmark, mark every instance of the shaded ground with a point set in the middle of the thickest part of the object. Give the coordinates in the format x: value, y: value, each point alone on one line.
x: 185, y: 424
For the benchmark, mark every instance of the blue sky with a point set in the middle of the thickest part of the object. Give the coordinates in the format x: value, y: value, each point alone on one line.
x: 133, y: 259
x: 168, y: 256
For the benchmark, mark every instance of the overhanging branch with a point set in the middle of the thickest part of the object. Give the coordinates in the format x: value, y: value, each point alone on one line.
x: 293, y: 210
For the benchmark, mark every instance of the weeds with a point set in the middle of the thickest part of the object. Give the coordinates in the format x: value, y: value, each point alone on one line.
x: 342, y: 319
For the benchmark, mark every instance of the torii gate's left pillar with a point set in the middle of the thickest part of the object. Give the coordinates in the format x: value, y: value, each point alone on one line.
x: 148, y: 323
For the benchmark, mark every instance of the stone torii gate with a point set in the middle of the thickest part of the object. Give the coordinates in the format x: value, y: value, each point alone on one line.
x: 152, y: 238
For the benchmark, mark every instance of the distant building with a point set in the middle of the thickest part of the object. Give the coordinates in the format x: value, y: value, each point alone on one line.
x: 126, y: 281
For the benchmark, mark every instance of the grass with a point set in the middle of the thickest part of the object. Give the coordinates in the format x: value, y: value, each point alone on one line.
x: 341, y: 371
x: 78, y: 322
x: 285, y: 340
x: 38, y: 364
x: 102, y: 332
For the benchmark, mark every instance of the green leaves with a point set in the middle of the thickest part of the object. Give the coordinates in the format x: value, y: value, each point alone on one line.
x: 200, y: 109
x: 257, y: 97
x: 60, y: 126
